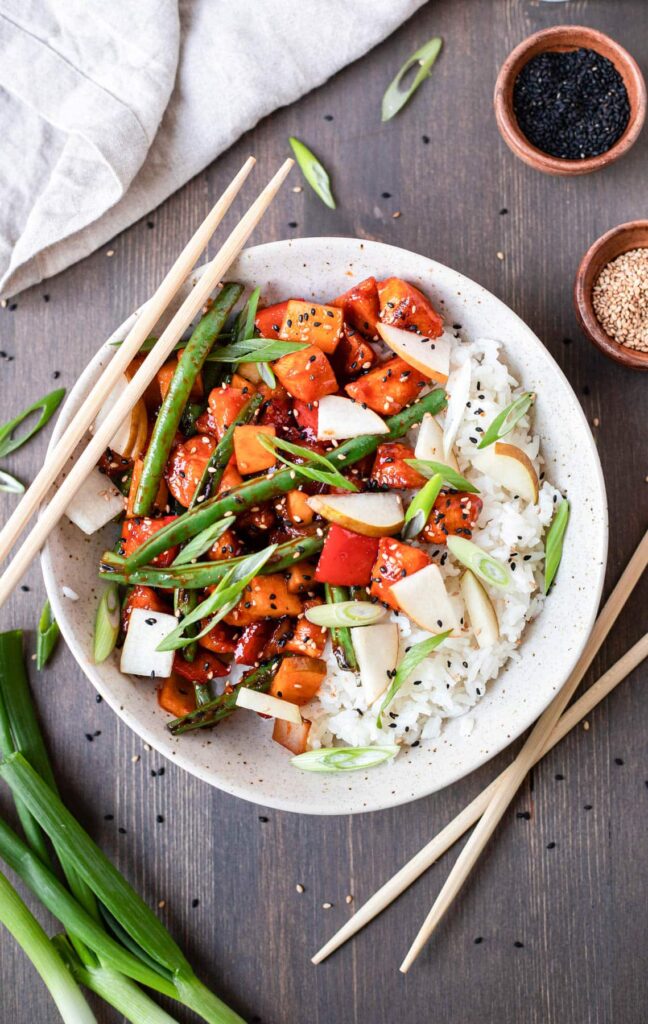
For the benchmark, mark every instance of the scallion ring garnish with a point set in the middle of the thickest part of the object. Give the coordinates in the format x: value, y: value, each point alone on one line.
x: 554, y: 543
x: 46, y: 636
x: 343, y: 759
x: 327, y: 475
x: 420, y: 507
x: 395, y: 98
x: 413, y: 657
x: 106, y: 627
x: 490, y: 570
x: 47, y: 406
x: 10, y: 484
x: 345, y: 613
x: 503, y: 423
x: 428, y: 467
x: 313, y: 171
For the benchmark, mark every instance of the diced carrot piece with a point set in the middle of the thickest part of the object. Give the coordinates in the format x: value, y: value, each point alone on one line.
x: 308, y: 638
x: 291, y: 736
x: 453, y: 513
x: 405, y: 306
x: 220, y: 639
x: 395, y: 560
x: 315, y: 324
x: 390, y: 469
x: 306, y: 374
x: 265, y: 597
x: 258, y: 520
x: 354, y: 356
x: 299, y: 511
x: 361, y: 306
x: 243, y: 384
x: 138, y: 530
x: 389, y: 387
x: 231, y: 478
x: 302, y: 578
x: 224, y: 406
x: 165, y: 376
x: 227, y: 546
x: 142, y: 597
x: 186, y: 466
x: 252, y: 457
x: 298, y: 679
x: 205, y: 667
x: 161, y: 499
x: 176, y: 696
x: 268, y: 321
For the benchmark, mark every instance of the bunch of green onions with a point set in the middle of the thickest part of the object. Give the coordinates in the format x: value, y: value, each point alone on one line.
x: 112, y: 940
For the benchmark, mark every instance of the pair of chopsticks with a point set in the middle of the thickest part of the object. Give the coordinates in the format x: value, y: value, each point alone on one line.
x: 148, y: 316
x: 487, y: 809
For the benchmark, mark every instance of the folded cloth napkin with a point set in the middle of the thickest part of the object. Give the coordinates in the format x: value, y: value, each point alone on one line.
x: 107, y: 108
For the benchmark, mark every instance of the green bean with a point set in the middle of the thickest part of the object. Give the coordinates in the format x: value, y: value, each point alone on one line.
x: 260, y: 489
x: 204, y: 574
x: 222, y: 453
x: 221, y: 707
x: 341, y: 635
x: 177, y: 397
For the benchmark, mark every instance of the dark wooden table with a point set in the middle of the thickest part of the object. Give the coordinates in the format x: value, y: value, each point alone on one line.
x: 559, y: 899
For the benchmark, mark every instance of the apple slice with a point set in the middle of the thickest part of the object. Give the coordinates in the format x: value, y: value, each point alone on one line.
x: 424, y: 599
x: 376, y: 648
x: 429, y: 356
x: 372, y: 515
x: 429, y: 443
x: 125, y: 437
x: 340, y: 418
x: 510, y: 467
x: 458, y: 391
x: 480, y: 610
x: 265, y: 704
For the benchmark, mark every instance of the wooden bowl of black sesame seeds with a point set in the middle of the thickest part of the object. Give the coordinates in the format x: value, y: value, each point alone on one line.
x: 611, y: 294
x: 570, y: 100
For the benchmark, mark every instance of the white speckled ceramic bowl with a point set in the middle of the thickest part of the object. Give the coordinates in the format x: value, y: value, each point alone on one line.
x: 240, y: 756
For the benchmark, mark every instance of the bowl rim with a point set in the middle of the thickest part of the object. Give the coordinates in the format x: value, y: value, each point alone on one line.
x: 589, y: 323
x: 507, y: 123
x: 190, y: 763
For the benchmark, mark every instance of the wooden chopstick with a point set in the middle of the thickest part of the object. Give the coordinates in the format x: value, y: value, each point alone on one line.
x: 531, y: 751
x: 442, y: 842
x: 136, y: 387
x: 148, y: 316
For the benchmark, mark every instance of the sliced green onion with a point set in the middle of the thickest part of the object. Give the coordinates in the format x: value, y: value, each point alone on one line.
x: 47, y: 406
x: 418, y: 511
x: 343, y: 759
x: 46, y: 637
x: 489, y: 569
x: 106, y: 627
x: 313, y: 171
x: 259, y: 350
x: 395, y: 98
x: 10, y: 484
x: 203, y: 541
x: 427, y: 467
x: 506, y: 420
x: 328, y: 475
x: 554, y: 543
x: 220, y: 601
x: 267, y: 374
x: 346, y: 613
x: 29, y: 935
x: 413, y: 657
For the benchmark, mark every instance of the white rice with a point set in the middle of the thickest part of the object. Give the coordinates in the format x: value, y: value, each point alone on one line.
x: 453, y: 679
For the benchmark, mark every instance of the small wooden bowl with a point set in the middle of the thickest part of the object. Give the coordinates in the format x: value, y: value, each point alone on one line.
x: 568, y: 37
x: 633, y: 235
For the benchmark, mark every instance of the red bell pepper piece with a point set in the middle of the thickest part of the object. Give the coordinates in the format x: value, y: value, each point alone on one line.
x: 206, y: 666
x: 305, y: 414
x: 347, y: 558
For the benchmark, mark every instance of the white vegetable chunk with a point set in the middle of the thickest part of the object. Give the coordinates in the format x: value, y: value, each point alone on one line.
x: 431, y: 356
x: 95, y: 503
x: 481, y: 614
x: 376, y: 648
x: 147, y: 629
x: 339, y: 418
x: 429, y: 443
x: 458, y: 391
x: 266, y: 704
x: 122, y: 440
x: 424, y: 598
x: 510, y: 467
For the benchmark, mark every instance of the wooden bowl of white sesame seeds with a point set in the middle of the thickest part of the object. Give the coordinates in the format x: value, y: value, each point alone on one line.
x: 611, y: 294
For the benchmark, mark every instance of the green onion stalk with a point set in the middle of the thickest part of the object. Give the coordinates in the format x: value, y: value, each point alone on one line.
x: 260, y: 489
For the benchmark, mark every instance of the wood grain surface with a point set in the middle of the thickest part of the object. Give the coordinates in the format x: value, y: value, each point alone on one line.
x: 552, y: 928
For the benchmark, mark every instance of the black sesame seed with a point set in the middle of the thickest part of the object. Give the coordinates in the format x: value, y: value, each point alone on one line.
x: 195, y: 903
x: 121, y: 830
x: 109, y: 817
x: 518, y: 945
x: 559, y: 777
x: 263, y: 819
x: 524, y: 815
x: 159, y: 818
x: 551, y: 846
x: 478, y: 940
x: 618, y: 760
